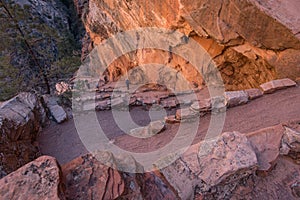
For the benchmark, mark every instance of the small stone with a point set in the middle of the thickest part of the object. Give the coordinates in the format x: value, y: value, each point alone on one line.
x: 58, y: 113
x: 235, y: 98
x: 185, y: 113
x: 254, y: 93
x: 201, y: 106
x: 171, y: 119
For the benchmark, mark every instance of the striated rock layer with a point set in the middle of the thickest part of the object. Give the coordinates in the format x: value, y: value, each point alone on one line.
x: 252, y: 41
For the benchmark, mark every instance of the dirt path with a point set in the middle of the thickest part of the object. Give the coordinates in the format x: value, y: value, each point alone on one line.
x: 63, y: 142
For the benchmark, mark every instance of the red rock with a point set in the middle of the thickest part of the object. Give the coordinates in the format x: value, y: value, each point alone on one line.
x: 235, y: 98
x: 274, y: 85
x: 171, y: 119
x: 186, y: 114
x: 254, y: 93
x: 266, y: 144
x: 86, y: 178
x: 39, y: 179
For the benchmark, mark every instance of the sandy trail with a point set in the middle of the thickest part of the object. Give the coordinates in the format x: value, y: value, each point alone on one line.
x: 63, y: 142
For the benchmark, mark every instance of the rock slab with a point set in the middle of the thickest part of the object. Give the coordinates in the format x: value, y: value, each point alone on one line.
x: 39, y: 179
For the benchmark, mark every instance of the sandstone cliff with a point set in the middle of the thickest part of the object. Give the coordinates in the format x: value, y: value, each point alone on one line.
x: 251, y: 41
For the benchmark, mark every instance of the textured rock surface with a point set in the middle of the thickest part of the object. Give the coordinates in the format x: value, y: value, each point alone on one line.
x: 247, y: 44
x: 55, y: 111
x: 236, y: 98
x: 266, y: 144
x: 229, y: 155
x: 87, y: 178
x: 254, y: 93
x: 39, y: 179
x: 209, y: 166
x: 274, y: 85
x: 20, y: 122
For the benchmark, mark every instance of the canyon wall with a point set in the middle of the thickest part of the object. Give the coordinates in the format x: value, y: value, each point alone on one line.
x: 251, y: 41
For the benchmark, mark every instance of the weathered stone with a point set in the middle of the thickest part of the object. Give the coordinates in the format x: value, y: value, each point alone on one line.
x: 117, y: 102
x: 202, y: 105
x: 152, y: 129
x: 61, y: 87
x: 254, y: 93
x: 169, y: 103
x: 295, y: 187
x: 21, y: 119
x: 235, y: 98
x: 102, y: 105
x: 218, y: 104
x: 86, y: 178
x: 186, y: 114
x: 226, y: 158
x: 58, y: 113
x: 290, y: 143
x: 171, y: 119
x: 239, y: 35
x: 274, y: 85
x: 39, y: 179
x: 266, y: 143
x: 156, y: 127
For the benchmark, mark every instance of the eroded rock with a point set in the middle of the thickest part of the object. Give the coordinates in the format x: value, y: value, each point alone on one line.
x: 266, y: 144
x: 235, y: 98
x: 21, y: 119
x: 274, y: 85
x: 254, y: 93
x: 227, y: 158
x: 39, y: 179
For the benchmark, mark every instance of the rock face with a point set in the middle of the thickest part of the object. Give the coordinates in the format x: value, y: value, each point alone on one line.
x: 247, y: 44
x: 40, y: 179
x: 20, y: 122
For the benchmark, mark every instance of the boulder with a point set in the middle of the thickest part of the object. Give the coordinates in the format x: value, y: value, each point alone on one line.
x: 266, y: 144
x: 56, y: 111
x: 86, y: 178
x: 152, y: 129
x: 274, y: 85
x: 91, y: 177
x: 290, y: 144
x: 254, y: 93
x: 39, y: 179
x: 211, y: 164
x: 21, y: 119
x: 225, y: 159
x: 235, y: 98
